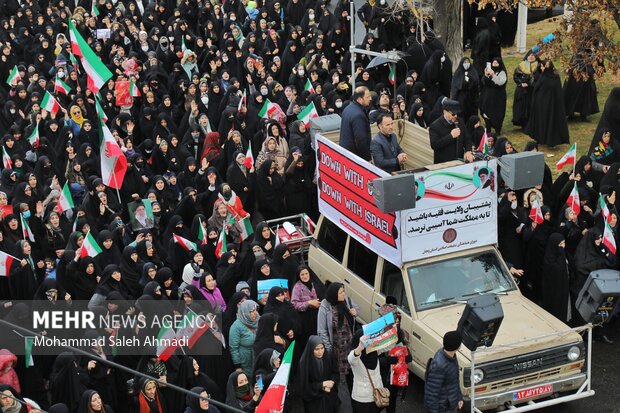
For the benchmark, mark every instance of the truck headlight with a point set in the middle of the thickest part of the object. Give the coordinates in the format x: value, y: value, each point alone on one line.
x: 573, y: 353
x: 478, y: 375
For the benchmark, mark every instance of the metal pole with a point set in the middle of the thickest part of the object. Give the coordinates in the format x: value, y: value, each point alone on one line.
x: 471, y: 382
x: 522, y: 28
x: 352, y: 45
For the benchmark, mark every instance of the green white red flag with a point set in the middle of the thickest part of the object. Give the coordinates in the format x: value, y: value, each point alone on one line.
x: 573, y: 200
x: 65, y: 202
x: 26, y: 231
x: 249, y: 157
x: 14, y: 77
x: 6, y: 159
x: 308, y: 87
x: 484, y: 143
x: 186, y: 244
x: 202, y: 235
x: 246, y: 227
x: 608, y: 238
x: 62, y: 87
x: 6, y: 261
x: 569, y: 157
x: 242, y: 101
x: 94, y: 11
x: 603, y: 206
x: 536, y: 212
x: 113, y: 161
x: 193, y: 328
x: 273, y: 400
x: 89, y: 247
x: 98, y: 73
x: 33, y: 137
x: 308, y: 113
x: 310, y: 223
x: 268, y: 109
x: 221, y: 247
x: 100, y: 113
x: 392, y: 75
x: 49, y: 103
x: 167, y: 343
x: 133, y: 89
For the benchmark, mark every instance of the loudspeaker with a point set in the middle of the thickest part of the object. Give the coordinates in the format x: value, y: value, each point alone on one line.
x: 601, y: 292
x: 480, y: 321
x: 522, y: 170
x: 394, y: 193
x: 325, y: 123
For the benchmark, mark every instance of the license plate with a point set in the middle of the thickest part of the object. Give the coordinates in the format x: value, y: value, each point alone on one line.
x: 533, y: 392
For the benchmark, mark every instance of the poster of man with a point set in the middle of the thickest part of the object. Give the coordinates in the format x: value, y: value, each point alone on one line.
x: 141, y: 215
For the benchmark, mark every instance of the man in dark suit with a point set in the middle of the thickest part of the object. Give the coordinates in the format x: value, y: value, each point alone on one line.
x: 447, y: 139
x: 386, y: 152
x: 355, y: 126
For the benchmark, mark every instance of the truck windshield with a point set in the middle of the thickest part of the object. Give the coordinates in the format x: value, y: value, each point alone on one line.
x: 461, y: 278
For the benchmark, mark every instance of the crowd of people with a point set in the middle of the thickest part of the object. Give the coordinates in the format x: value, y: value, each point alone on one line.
x: 210, y: 85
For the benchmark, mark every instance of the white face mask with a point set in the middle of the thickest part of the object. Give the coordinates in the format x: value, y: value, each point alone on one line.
x: 301, y: 72
x: 263, y: 91
x: 338, y: 104
x: 513, y: 205
x: 443, y: 59
x: 204, y: 99
x: 224, y: 58
x: 466, y: 66
x: 61, y: 74
x: 311, y: 16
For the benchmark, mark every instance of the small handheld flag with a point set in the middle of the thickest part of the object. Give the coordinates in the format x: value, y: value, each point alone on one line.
x: 249, y: 158
x: 536, y: 213
x: 573, y: 200
x: 569, y: 157
x: 608, y: 238
x: 14, y: 77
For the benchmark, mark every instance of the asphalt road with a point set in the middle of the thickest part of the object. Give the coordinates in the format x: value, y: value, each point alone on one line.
x: 605, y: 379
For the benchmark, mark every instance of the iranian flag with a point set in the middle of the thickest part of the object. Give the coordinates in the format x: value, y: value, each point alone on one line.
x: 100, y: 113
x: 273, y: 400
x: 268, y: 109
x: 5, y: 263
x: 573, y: 200
x: 484, y: 143
x: 33, y: 138
x: 310, y: 223
x: 308, y: 113
x: 89, y: 247
x: 133, y: 89
x: 62, y: 87
x: 603, y: 205
x: 249, y: 158
x: 308, y: 87
x: 28, y: 343
x: 221, y: 246
x: 26, y: 231
x: 185, y: 243
x: 94, y: 11
x: 113, y: 161
x: 65, y: 202
x: 74, y: 62
x: 246, y: 227
x: 97, y: 72
x: 608, y: 238
x: 193, y: 328
x: 536, y: 213
x: 49, y: 103
x: 167, y: 343
x: 569, y: 157
x: 202, y: 235
x: 241, y: 102
x: 183, y: 47
x: 392, y: 75
x: 14, y: 77
x: 6, y: 159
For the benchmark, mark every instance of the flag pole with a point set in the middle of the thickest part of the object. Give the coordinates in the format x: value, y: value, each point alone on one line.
x: 575, y: 160
x: 118, y: 193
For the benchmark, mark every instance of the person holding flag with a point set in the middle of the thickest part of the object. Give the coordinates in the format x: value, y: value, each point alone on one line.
x: 223, y: 219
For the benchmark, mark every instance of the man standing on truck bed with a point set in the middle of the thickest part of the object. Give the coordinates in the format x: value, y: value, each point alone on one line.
x: 442, y: 393
x: 355, y: 126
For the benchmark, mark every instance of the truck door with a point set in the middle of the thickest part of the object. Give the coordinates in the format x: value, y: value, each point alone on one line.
x: 359, y: 277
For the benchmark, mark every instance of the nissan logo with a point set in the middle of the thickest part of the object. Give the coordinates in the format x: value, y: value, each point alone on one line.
x: 528, y: 365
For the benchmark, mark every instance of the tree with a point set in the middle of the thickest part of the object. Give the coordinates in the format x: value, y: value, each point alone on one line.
x: 587, y: 36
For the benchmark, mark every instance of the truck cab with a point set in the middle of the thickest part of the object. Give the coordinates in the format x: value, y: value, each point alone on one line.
x: 534, y: 355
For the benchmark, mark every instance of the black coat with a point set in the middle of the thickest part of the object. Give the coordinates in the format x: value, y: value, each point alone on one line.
x: 555, y: 279
x: 580, y: 95
x: 610, y: 118
x: 547, y: 124
x: 355, y: 131
x: 442, y: 391
x: 522, y: 98
x: 493, y: 102
x: 445, y: 146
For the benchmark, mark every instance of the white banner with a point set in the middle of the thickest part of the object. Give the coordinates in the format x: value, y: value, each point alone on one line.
x: 456, y: 209
x: 346, y: 199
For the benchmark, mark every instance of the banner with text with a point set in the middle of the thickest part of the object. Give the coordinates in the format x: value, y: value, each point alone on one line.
x: 346, y: 199
x: 456, y: 209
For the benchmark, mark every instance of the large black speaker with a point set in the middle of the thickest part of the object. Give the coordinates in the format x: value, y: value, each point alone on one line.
x: 601, y: 292
x: 522, y: 170
x: 394, y: 193
x: 480, y: 321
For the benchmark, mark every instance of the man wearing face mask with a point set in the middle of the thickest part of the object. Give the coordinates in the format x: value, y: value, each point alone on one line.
x: 447, y: 140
